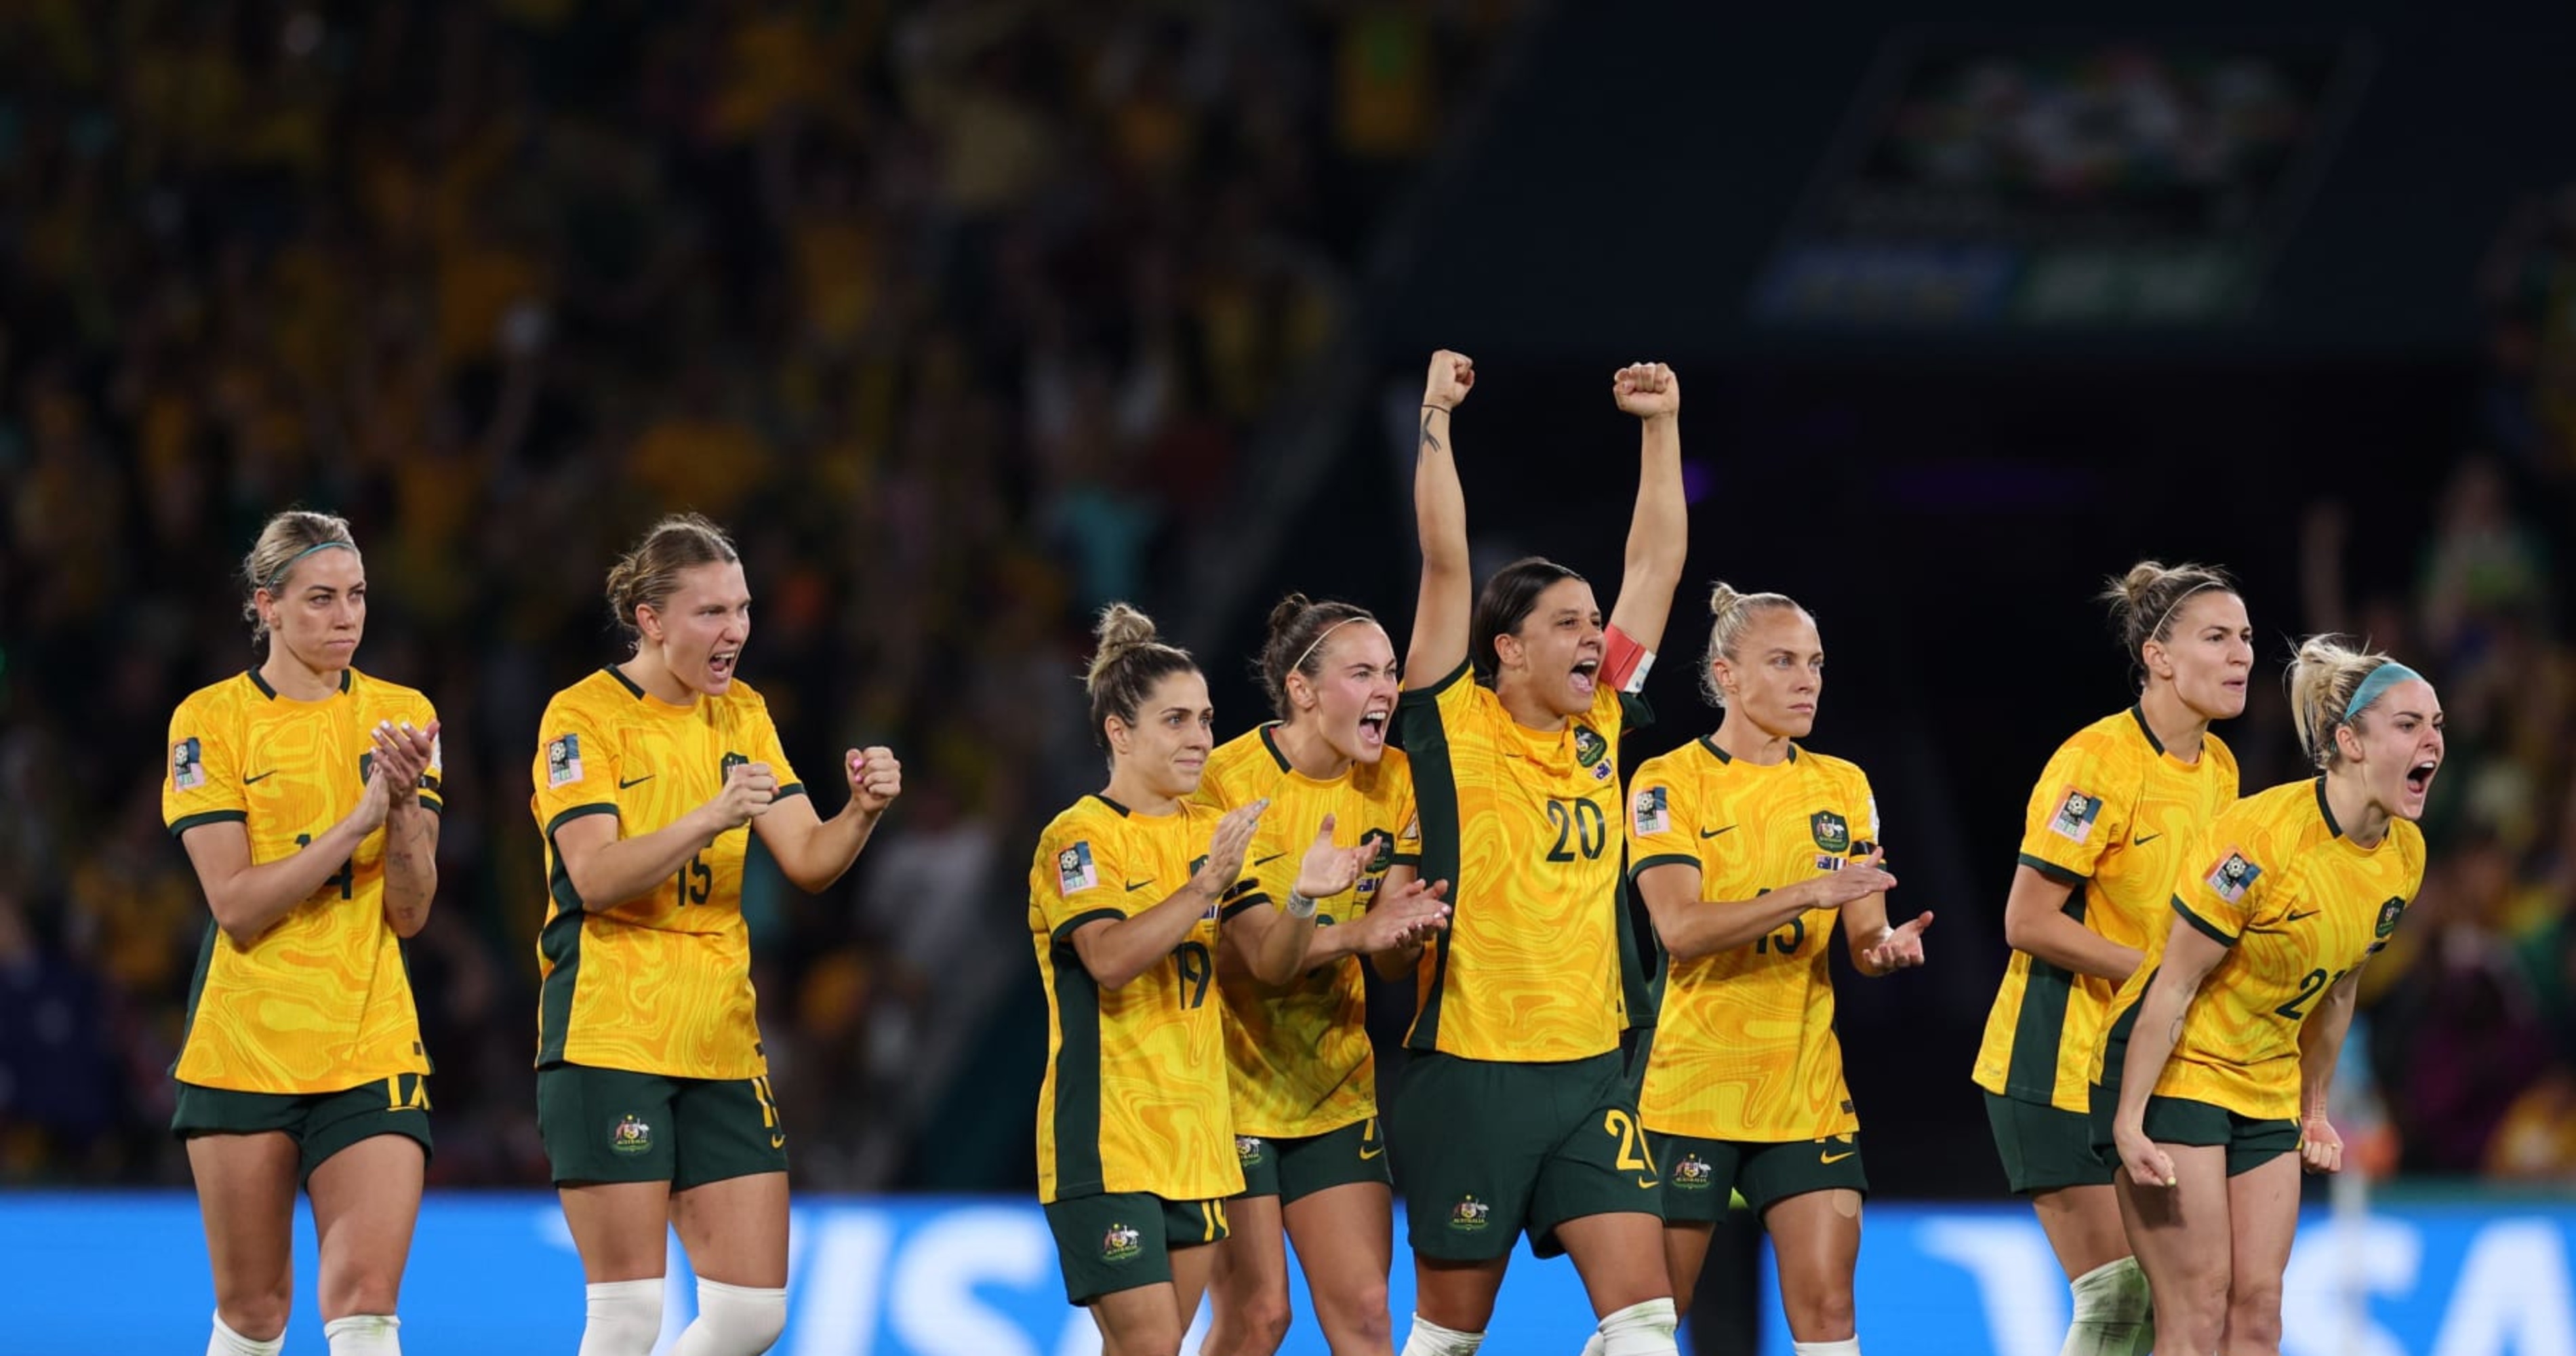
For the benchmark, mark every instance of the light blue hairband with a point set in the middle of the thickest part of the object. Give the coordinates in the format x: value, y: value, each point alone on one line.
x: 280, y: 577
x: 2379, y: 680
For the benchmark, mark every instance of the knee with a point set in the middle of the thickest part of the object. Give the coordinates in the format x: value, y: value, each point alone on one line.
x: 1357, y: 1320
x: 2254, y: 1313
x: 258, y: 1312
x: 1266, y: 1321
x: 740, y: 1320
x: 1824, y: 1315
x: 624, y: 1318
x: 257, y: 1318
x: 372, y: 1287
x: 2191, y: 1311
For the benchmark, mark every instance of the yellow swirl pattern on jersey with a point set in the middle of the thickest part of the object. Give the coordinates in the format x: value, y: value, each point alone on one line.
x: 2114, y: 815
x: 1134, y: 1097
x: 2298, y: 906
x: 321, y: 1001
x: 661, y: 983
x: 1524, y: 824
x: 1299, y: 1053
x: 1745, y: 1049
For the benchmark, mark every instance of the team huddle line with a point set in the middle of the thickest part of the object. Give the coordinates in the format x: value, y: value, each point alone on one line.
x: 2154, y: 1067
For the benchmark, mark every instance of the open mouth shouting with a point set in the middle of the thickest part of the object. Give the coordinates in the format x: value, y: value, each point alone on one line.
x: 1587, y: 673
x: 2419, y: 781
x: 1373, y: 723
x: 720, y: 665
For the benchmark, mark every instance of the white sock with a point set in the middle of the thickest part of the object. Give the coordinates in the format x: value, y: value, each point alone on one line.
x: 733, y: 1320
x: 2114, y: 1315
x: 1430, y: 1339
x: 1849, y: 1346
x: 226, y: 1342
x: 1640, y: 1330
x: 625, y: 1318
x: 364, y: 1335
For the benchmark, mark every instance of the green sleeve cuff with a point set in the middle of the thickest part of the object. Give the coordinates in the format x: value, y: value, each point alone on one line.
x: 2207, y: 928
x: 180, y: 826
x: 1646, y: 864
x: 791, y: 789
x: 1250, y: 901
x: 576, y: 812
x: 2052, y: 870
x: 1064, y: 931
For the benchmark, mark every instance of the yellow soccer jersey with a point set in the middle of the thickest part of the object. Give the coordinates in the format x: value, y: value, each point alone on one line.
x: 1299, y: 1054
x: 2298, y: 906
x: 1525, y: 827
x: 2115, y: 816
x: 661, y: 983
x: 321, y: 1002
x: 1135, y: 1092
x: 1746, y: 1049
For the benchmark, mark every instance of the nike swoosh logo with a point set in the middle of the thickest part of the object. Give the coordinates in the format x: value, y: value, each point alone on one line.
x: 778, y: 1141
x: 623, y: 784
x: 1135, y: 885
x: 1835, y: 1158
x: 1649, y: 1182
x: 1367, y: 1154
x: 1269, y: 859
x: 1712, y: 833
x: 260, y: 778
x: 2297, y: 916
x: 2146, y: 838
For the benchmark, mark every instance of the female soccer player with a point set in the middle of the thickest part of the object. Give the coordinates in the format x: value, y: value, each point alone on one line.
x: 306, y: 794
x: 1746, y: 846
x: 653, y: 1092
x: 1127, y: 896
x: 2223, y: 1044
x: 1304, y: 1079
x: 2110, y: 823
x: 1514, y: 1114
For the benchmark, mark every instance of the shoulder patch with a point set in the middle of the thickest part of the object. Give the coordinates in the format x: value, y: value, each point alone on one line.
x: 187, y: 765
x: 1074, y: 872
x: 2233, y: 876
x: 2076, y: 811
x: 563, y: 760
x: 1650, y: 812
x: 1832, y: 831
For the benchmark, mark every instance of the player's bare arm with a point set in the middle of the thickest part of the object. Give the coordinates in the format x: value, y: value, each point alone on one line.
x: 1659, y: 529
x: 1117, y: 950
x: 2035, y: 921
x: 813, y: 852
x: 2320, y: 1045
x: 1448, y: 594
x: 607, y: 870
x: 2190, y: 955
x: 403, y: 754
x: 246, y: 899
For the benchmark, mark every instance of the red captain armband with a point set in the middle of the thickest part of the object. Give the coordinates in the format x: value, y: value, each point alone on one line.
x: 1624, y: 662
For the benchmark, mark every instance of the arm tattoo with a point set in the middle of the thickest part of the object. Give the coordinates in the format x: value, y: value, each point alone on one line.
x: 1430, y: 440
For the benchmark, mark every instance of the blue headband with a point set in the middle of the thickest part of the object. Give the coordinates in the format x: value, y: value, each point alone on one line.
x: 280, y: 577
x: 2379, y: 680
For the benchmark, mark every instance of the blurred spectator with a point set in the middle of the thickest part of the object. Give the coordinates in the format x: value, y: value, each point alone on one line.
x: 935, y: 305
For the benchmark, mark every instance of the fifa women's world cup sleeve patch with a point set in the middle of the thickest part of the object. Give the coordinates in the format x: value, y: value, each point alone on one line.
x: 2077, y: 809
x: 188, y: 764
x: 2219, y: 900
x: 1651, y: 811
x: 2233, y: 876
x: 563, y: 760
x: 1075, y: 871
